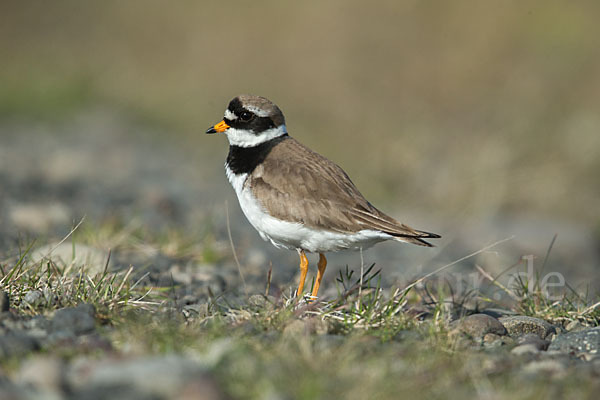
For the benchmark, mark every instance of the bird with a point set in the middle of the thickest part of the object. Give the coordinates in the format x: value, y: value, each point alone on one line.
x: 296, y: 198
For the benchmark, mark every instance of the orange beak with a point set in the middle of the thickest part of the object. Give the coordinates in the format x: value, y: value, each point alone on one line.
x: 218, y: 128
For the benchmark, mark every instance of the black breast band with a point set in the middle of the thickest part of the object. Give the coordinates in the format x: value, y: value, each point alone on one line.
x: 243, y: 160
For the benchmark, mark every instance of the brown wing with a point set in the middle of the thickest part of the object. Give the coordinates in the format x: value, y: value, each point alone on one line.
x: 298, y: 185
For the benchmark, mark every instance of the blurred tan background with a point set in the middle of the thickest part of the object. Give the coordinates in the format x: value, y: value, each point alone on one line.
x: 461, y: 116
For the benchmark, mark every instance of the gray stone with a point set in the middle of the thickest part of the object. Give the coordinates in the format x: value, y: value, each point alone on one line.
x: 520, y: 325
x: 43, y: 373
x: 17, y: 344
x: 534, y: 340
x: 37, y: 322
x: 154, y: 377
x: 78, y: 320
x: 552, y: 367
x: 33, y: 297
x: 527, y: 348
x: 575, y: 326
x: 479, y: 325
x: 586, y: 341
x: 4, y: 301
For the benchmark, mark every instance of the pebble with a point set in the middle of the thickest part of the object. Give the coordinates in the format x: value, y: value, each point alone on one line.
x: 479, y: 325
x: 33, y: 297
x: 586, y: 341
x: 520, y: 325
x: 548, y: 366
x: 17, y: 344
x: 575, y: 326
x: 145, y: 377
x: 77, y: 320
x: 527, y: 348
x: 534, y: 340
x: 43, y: 373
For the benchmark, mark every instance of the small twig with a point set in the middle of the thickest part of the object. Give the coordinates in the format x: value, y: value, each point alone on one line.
x: 237, y: 262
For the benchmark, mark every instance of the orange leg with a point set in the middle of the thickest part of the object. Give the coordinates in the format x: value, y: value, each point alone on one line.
x: 322, y: 265
x: 303, y: 271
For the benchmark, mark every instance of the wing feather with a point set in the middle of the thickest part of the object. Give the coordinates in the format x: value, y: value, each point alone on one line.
x: 298, y: 185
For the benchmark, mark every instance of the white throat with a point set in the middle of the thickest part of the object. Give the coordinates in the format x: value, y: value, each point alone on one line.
x: 244, y: 138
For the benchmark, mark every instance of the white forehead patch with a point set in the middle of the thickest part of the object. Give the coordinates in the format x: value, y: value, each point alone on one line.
x: 257, y: 111
x: 246, y: 138
x: 230, y: 116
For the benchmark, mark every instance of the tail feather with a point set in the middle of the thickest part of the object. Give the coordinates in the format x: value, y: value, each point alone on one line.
x: 375, y: 219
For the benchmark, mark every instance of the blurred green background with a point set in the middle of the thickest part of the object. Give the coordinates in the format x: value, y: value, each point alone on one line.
x: 452, y: 111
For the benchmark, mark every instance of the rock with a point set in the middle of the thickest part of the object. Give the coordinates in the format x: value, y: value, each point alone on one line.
x: 479, y: 325
x: 520, y: 325
x: 490, y: 338
x: 33, y: 297
x: 586, y: 341
x: 534, y: 340
x: 78, y: 320
x: 575, y: 326
x: 37, y: 327
x: 17, y: 344
x: 4, y: 301
x: 38, y: 322
x: 527, y: 348
x: 11, y: 391
x: 92, y: 259
x: 147, y: 377
x: 43, y: 373
x: 549, y: 366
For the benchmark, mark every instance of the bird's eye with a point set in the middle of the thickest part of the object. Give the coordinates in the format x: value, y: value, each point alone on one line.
x: 246, y: 116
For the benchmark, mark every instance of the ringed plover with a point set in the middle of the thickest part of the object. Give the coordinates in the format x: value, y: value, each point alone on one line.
x: 294, y: 197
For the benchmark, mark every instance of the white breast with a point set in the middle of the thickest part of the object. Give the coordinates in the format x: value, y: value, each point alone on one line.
x: 292, y: 235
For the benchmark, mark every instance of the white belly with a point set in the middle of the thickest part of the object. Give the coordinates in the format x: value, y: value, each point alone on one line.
x: 292, y: 235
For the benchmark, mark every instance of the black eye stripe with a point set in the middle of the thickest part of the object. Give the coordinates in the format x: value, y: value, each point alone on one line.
x: 256, y: 124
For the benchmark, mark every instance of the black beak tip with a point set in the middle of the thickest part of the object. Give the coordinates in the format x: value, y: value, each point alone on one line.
x: 211, y: 130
